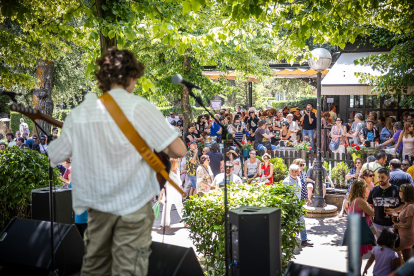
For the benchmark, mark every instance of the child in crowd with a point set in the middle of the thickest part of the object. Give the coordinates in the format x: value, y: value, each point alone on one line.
x: 386, y: 259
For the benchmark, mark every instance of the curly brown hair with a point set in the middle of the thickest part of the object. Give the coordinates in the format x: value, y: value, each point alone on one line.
x: 117, y: 67
x: 358, y: 189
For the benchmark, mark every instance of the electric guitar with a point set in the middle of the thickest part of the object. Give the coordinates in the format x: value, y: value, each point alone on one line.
x: 34, y: 114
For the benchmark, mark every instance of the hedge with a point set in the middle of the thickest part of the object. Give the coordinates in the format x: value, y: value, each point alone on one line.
x: 15, y: 121
x: 300, y: 102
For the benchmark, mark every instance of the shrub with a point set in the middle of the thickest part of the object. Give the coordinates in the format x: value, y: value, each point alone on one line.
x: 15, y: 121
x: 205, y: 215
x: 61, y: 114
x: 338, y: 174
x: 20, y: 172
x: 300, y: 102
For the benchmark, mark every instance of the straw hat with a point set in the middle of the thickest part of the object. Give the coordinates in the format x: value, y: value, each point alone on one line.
x: 233, y: 152
x: 266, y: 154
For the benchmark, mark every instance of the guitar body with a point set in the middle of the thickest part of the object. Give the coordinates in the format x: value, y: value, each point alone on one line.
x: 165, y: 159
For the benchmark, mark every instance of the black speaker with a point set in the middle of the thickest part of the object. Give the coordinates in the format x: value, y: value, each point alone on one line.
x: 63, y: 205
x: 305, y: 270
x: 25, y: 246
x: 256, y: 241
x: 171, y: 260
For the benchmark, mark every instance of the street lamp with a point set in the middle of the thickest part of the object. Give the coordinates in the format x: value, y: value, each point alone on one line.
x: 320, y: 61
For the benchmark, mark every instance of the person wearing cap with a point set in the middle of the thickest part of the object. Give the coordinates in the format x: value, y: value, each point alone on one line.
x: 3, y: 146
x: 369, y: 134
x: 234, y: 157
x: 192, y: 164
x: 266, y: 170
x: 231, y: 177
x: 293, y: 127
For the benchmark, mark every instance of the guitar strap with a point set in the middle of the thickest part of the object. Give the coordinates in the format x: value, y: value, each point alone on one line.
x: 136, y: 140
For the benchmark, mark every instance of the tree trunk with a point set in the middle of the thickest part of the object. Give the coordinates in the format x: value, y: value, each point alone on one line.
x: 42, y: 97
x: 185, y: 99
x: 106, y: 42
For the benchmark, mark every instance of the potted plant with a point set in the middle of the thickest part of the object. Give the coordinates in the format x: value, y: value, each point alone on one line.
x: 246, y: 147
x: 355, y: 150
x: 304, y: 148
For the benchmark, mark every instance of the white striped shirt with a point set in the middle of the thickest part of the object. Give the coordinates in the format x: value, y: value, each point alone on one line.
x: 108, y: 174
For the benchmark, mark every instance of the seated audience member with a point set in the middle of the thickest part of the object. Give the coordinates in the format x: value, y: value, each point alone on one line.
x: 3, y: 146
x: 311, y: 179
x: 369, y: 134
x: 218, y: 181
x: 260, y: 135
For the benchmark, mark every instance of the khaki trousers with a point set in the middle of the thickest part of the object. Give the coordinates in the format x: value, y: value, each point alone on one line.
x: 118, y: 245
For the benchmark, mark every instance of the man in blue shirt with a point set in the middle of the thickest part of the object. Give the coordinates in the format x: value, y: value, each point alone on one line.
x: 215, y: 127
x: 398, y: 176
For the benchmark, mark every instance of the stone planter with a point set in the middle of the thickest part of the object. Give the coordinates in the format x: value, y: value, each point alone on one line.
x: 304, y: 154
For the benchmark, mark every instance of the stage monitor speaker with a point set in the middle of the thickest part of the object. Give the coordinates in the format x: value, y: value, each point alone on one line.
x: 25, y: 245
x: 305, y: 270
x: 256, y: 241
x: 171, y: 260
x: 63, y: 205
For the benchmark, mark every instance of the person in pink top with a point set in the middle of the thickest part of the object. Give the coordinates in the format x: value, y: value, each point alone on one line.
x: 358, y: 204
x: 405, y: 226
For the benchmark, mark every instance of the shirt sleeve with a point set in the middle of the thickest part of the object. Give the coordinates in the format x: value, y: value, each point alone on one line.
x: 369, y: 200
x: 154, y: 129
x: 61, y: 149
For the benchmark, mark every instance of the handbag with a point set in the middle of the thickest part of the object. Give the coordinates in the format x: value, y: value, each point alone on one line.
x: 156, y: 209
x: 333, y: 146
x: 367, y: 237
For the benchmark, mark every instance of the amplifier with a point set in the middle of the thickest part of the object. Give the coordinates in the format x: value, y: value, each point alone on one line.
x: 63, y: 205
x: 256, y: 241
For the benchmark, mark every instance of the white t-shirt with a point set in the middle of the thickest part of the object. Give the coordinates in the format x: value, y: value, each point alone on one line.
x: 169, y: 119
x: 218, y: 181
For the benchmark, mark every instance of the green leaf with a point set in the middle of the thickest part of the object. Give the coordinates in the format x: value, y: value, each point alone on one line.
x: 186, y: 7
x: 195, y: 5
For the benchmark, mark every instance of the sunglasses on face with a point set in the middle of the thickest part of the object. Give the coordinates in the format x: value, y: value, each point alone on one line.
x: 357, y: 162
x: 302, y: 165
x: 252, y: 153
x: 266, y: 158
x: 404, y: 165
x: 171, y: 114
x: 371, y: 175
x: 229, y: 167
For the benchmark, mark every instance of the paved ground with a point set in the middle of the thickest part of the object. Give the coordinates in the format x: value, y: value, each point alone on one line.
x: 326, y: 235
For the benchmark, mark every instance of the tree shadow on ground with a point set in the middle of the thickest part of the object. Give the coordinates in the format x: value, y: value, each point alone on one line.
x: 329, y: 227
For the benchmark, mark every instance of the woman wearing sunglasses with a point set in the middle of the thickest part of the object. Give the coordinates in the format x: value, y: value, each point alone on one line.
x: 368, y: 176
x: 266, y: 170
x: 351, y: 176
x: 338, y: 131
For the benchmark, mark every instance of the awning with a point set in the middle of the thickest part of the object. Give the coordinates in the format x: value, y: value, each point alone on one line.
x: 341, y: 79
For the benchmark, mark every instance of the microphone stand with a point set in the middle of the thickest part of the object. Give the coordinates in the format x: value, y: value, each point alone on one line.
x: 51, y: 206
x: 226, y: 141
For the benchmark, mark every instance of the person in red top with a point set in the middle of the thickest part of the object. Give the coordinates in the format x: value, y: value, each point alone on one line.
x: 266, y: 170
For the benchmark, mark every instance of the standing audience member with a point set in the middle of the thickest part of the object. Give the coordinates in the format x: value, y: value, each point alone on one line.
x: 206, y: 150
x: 192, y: 165
x: 173, y: 196
x: 294, y: 181
x: 405, y: 226
x: 219, y: 180
x: 338, y: 132
x: 397, y: 176
x: 358, y: 204
x: 191, y: 135
x: 180, y: 122
x: 216, y: 159
x: 251, y: 167
x: 351, y: 176
x: 387, y: 132
x: 309, y: 124
x: 356, y: 127
x: 332, y: 113
x: 302, y: 175
x: 382, y: 195
x: 407, y: 138
x: 368, y: 177
x: 215, y: 127
x: 23, y: 127
x: 293, y: 127
x: 204, y: 176
x: 10, y: 140
x: 386, y: 259
x: 173, y: 124
x: 405, y: 164
x: 380, y: 161
x: 266, y: 170
x: 43, y: 145
x: 377, y: 124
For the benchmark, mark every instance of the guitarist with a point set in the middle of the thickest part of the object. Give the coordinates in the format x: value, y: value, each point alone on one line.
x: 110, y: 178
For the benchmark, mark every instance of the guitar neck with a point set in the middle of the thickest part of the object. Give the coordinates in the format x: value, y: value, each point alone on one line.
x: 34, y: 114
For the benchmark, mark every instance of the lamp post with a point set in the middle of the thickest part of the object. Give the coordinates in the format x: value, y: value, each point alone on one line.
x: 320, y: 61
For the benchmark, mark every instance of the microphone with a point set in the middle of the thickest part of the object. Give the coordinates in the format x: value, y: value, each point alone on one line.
x: 11, y: 95
x: 178, y: 79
